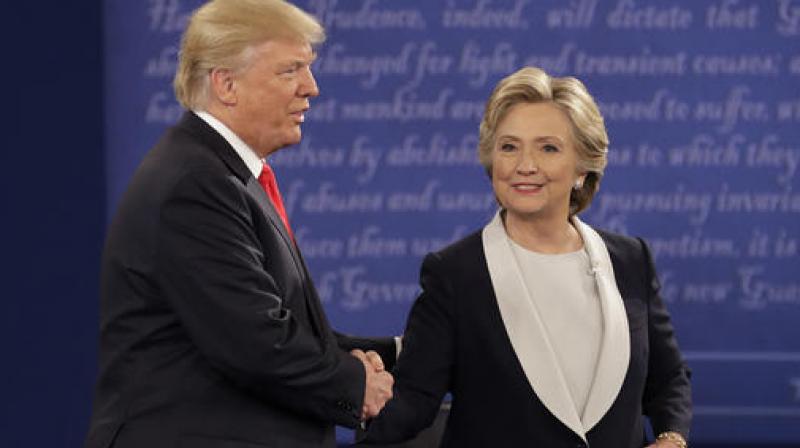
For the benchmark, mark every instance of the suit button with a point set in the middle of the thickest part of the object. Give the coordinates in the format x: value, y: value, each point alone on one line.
x: 346, y: 405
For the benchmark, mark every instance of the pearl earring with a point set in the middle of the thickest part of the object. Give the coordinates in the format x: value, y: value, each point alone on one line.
x: 578, y: 184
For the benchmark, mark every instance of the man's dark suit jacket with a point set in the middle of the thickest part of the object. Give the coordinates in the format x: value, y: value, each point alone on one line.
x: 455, y: 341
x: 212, y: 334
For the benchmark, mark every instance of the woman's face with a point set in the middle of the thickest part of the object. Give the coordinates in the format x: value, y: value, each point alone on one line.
x: 534, y: 162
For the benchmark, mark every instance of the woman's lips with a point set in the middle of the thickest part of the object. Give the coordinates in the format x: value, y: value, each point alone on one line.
x: 527, y: 187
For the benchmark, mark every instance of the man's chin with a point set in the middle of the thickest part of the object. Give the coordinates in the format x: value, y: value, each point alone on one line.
x: 289, y: 140
x: 294, y: 137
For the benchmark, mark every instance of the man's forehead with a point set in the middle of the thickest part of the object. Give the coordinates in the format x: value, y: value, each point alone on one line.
x: 287, y: 50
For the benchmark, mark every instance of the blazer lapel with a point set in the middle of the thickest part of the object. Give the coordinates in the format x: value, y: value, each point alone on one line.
x: 192, y: 123
x: 255, y: 190
x: 614, y: 355
x: 217, y: 143
x: 210, y: 138
x: 526, y: 330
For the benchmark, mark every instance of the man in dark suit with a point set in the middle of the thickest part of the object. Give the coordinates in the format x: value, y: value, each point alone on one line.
x: 212, y: 334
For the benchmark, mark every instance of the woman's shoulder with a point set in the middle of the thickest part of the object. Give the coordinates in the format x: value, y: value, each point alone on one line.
x: 458, y: 255
x: 468, y: 245
x: 628, y: 254
x: 460, y: 265
x: 620, y: 244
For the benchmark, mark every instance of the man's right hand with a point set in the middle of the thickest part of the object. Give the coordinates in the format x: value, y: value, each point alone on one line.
x: 378, y: 384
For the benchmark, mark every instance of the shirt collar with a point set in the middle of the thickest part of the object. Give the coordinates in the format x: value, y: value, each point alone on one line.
x: 246, y: 153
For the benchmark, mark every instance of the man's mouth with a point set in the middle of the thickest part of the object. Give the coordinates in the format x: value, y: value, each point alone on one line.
x: 299, y: 116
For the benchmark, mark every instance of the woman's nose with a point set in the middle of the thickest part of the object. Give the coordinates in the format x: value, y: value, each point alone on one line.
x: 527, y: 163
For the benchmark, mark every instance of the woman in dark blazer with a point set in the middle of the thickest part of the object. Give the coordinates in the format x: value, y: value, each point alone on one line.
x: 546, y: 332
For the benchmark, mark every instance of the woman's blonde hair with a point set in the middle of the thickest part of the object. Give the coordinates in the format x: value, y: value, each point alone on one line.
x: 222, y: 33
x: 533, y: 85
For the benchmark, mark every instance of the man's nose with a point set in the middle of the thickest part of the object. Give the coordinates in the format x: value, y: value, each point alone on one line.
x: 308, y: 86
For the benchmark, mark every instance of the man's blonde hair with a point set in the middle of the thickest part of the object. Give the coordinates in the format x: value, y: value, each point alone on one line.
x: 222, y: 33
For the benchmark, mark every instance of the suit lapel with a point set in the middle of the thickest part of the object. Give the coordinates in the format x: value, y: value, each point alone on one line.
x: 258, y: 193
x: 528, y: 334
x: 525, y: 328
x: 315, y: 313
x: 211, y: 139
x: 193, y: 124
x: 614, y: 355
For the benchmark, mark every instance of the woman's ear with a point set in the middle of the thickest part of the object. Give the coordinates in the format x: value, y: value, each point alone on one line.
x: 579, y: 181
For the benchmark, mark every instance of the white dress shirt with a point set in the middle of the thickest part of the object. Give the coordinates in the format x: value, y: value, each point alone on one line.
x: 246, y: 153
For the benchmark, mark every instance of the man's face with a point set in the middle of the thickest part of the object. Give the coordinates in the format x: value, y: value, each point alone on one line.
x: 272, y: 94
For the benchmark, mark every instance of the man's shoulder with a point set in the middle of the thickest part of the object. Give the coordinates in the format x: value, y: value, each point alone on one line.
x: 181, y: 151
x: 184, y: 138
x: 179, y: 160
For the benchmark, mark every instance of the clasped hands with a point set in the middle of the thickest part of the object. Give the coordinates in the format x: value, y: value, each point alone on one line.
x: 378, y: 384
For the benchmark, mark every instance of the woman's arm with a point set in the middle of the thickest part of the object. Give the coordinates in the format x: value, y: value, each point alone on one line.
x: 667, y: 395
x: 423, y: 371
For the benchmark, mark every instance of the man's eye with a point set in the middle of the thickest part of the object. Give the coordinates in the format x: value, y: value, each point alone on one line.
x: 290, y: 70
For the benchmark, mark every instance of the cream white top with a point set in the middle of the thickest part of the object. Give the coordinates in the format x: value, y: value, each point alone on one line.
x: 530, y: 338
x: 563, y: 291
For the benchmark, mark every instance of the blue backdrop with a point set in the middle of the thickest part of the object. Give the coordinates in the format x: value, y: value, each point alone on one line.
x: 702, y: 104
x: 52, y: 220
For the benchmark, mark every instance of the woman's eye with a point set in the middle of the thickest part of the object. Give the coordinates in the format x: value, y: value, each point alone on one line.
x: 550, y: 148
x: 506, y: 147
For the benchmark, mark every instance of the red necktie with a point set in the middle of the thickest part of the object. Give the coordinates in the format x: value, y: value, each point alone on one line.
x: 270, y: 185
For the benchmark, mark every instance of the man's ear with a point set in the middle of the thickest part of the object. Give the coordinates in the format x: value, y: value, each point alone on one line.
x: 223, y: 86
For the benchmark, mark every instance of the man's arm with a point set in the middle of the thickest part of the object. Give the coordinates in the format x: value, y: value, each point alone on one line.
x: 211, y: 267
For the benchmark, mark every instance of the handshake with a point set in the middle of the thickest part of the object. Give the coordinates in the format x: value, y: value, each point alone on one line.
x: 379, y: 384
